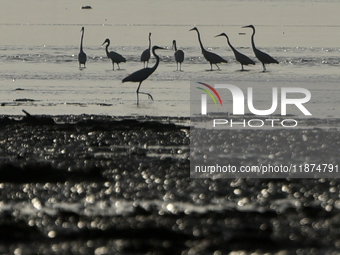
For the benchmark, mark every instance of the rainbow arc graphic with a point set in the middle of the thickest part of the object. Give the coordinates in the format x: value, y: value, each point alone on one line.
x: 209, y: 93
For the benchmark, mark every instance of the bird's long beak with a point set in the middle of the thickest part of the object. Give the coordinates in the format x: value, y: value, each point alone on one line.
x: 159, y: 48
x: 246, y: 26
x: 192, y: 29
x: 218, y: 35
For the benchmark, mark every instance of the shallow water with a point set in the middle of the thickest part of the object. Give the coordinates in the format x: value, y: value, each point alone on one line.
x: 49, y: 82
x: 93, y: 173
x: 38, y: 56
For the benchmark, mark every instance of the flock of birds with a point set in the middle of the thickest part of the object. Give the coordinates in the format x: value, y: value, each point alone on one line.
x: 212, y: 58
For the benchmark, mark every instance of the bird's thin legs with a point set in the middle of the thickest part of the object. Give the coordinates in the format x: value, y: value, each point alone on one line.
x: 149, y: 95
x: 215, y: 65
x: 180, y: 66
x: 113, y: 65
x: 264, y: 67
x: 137, y: 91
x: 211, y: 69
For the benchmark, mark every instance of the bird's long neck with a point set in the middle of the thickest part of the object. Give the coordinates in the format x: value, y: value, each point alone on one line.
x: 149, y: 42
x: 175, y: 46
x: 199, y: 40
x: 107, y: 49
x: 81, y: 40
x: 252, y: 39
x: 157, y: 61
x: 229, y: 43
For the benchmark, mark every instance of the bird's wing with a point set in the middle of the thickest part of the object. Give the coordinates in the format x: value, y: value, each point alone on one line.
x: 243, y: 59
x: 145, y: 55
x: 179, y: 55
x: 82, y: 57
x: 117, y: 57
x: 139, y: 75
x: 265, y: 58
x: 214, y: 58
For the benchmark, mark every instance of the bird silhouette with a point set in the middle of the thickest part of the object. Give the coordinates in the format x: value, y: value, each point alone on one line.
x: 145, y: 57
x: 143, y: 74
x: 81, y: 55
x: 262, y: 56
x: 179, y: 55
x: 243, y: 59
x: 114, y: 56
x: 211, y: 57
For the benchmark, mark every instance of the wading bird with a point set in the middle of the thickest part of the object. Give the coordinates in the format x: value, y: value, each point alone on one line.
x: 145, y: 57
x: 263, y: 57
x: 212, y: 58
x: 243, y: 59
x: 114, y: 56
x: 143, y: 74
x: 81, y: 55
x: 179, y: 55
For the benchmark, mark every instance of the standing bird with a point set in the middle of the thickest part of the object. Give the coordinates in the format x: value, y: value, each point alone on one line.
x: 263, y: 57
x: 143, y: 74
x: 114, y: 56
x: 179, y: 55
x: 81, y: 55
x: 145, y: 57
x: 212, y: 58
x: 243, y: 59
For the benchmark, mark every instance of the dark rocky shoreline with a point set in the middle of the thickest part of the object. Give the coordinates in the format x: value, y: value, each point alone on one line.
x: 103, y: 185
